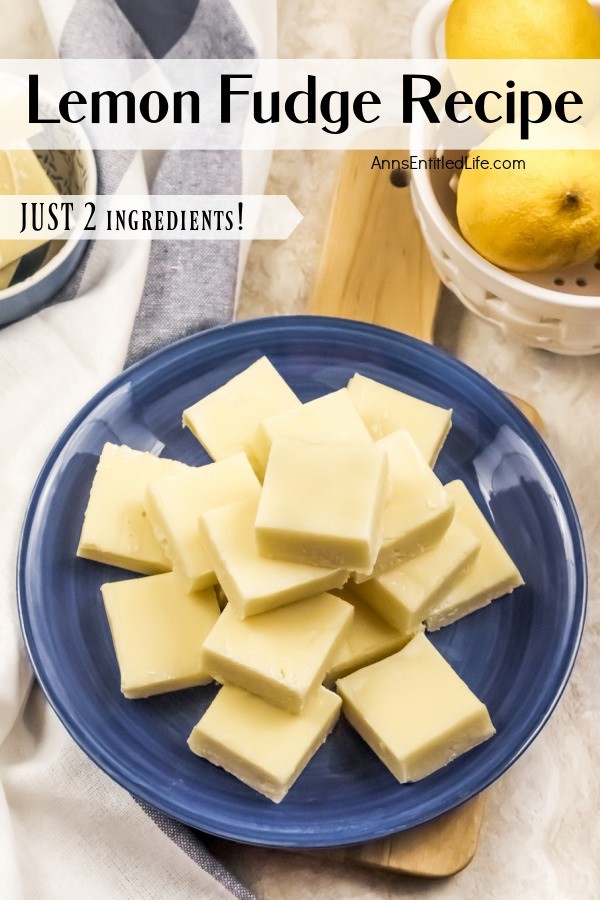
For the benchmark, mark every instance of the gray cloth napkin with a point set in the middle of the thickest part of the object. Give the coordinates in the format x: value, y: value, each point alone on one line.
x: 190, y: 285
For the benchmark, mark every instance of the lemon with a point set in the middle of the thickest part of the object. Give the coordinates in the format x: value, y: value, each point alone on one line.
x: 545, y: 216
x: 522, y: 29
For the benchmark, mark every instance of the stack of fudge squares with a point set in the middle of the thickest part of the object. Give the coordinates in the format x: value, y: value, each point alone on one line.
x: 299, y: 570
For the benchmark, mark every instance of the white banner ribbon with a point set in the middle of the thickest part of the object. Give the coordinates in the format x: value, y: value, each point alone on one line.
x: 161, y: 217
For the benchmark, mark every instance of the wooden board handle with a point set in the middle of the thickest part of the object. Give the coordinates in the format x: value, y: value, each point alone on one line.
x: 374, y: 265
x: 437, y: 849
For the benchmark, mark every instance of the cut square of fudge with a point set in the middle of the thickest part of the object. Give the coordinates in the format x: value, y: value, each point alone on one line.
x: 174, y: 505
x: 281, y: 655
x: 385, y: 410
x: 264, y: 746
x: 405, y: 595
x: 323, y: 503
x: 414, y: 711
x: 492, y: 575
x: 330, y: 419
x: 253, y: 583
x: 157, y: 629
x: 418, y: 510
x: 369, y: 639
x: 226, y: 420
x: 116, y: 529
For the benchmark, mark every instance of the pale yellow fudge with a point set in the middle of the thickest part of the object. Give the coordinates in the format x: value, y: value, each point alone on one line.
x: 116, y: 529
x: 252, y: 583
x: 329, y: 419
x: 414, y: 711
x: 385, y: 410
x: 174, y: 505
x: 406, y: 594
x: 491, y: 575
x: 281, y: 655
x: 7, y: 274
x: 157, y: 629
x: 323, y: 503
x: 370, y: 638
x: 225, y: 421
x: 22, y: 173
x: 15, y: 129
x: 418, y: 510
x: 264, y: 746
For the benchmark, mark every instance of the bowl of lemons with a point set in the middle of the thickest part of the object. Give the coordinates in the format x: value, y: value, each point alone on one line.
x: 33, y: 271
x: 519, y: 245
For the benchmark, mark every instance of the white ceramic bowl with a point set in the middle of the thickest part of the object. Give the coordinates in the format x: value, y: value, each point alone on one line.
x: 73, y: 171
x: 557, y: 310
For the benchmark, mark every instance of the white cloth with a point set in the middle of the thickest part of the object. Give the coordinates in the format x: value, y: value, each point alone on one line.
x: 65, y: 828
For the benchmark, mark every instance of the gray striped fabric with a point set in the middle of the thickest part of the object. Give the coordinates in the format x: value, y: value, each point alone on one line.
x: 190, y: 285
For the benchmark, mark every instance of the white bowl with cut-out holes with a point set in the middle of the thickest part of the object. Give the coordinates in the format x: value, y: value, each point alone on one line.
x: 558, y: 310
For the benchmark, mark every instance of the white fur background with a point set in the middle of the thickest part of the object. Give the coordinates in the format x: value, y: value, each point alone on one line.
x: 541, y: 834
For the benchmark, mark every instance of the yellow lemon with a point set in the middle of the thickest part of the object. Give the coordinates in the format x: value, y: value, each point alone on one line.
x: 545, y: 215
x: 522, y: 29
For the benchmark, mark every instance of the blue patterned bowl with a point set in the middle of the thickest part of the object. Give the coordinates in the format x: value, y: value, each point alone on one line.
x: 43, y: 272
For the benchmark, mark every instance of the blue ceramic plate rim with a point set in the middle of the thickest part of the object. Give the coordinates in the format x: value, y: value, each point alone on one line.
x: 317, y: 837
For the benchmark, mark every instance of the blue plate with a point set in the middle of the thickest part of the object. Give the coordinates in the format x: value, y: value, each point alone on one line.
x: 516, y: 654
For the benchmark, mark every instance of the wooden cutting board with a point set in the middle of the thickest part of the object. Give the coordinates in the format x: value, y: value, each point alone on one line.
x: 436, y: 849
x: 374, y: 264
x: 375, y: 268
